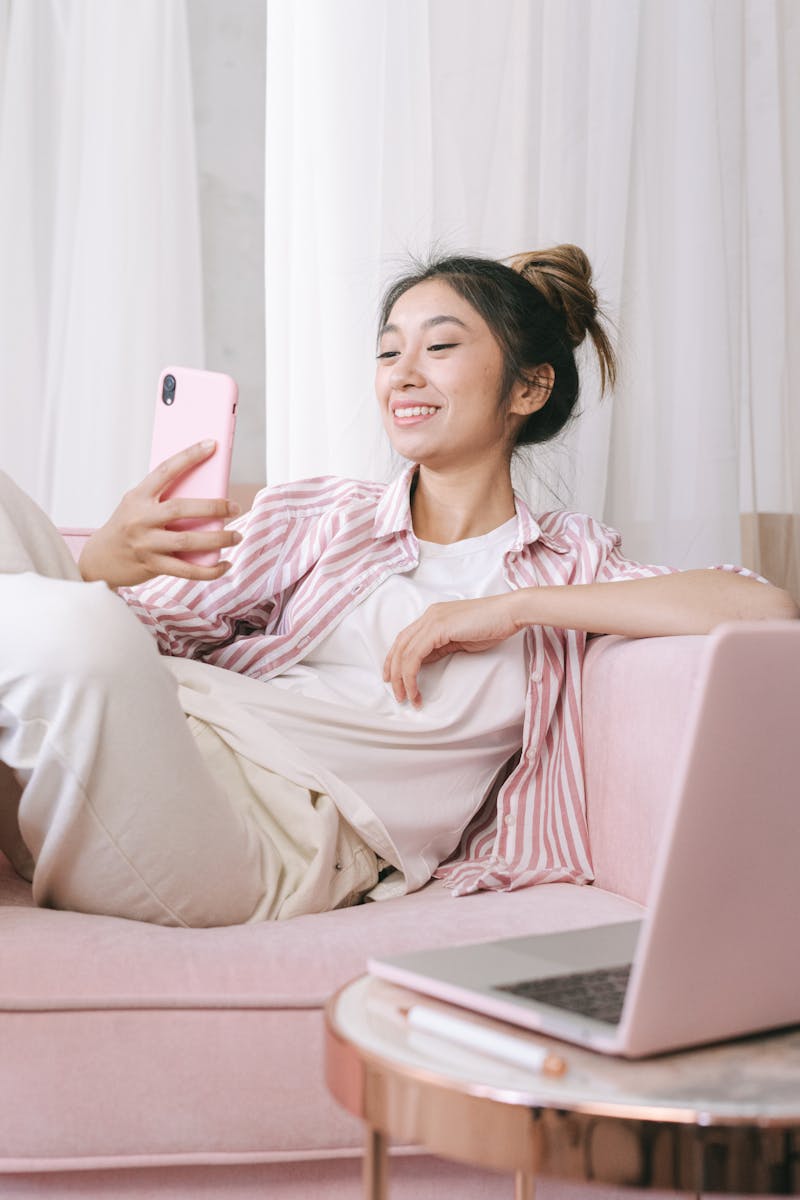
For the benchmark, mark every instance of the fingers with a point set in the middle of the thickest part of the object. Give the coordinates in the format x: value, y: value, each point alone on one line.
x: 404, y: 662
x: 158, y: 551
x: 185, y: 541
x: 445, y: 628
x: 144, y: 535
x: 165, y: 548
x: 121, y: 565
x: 162, y: 564
x: 144, y: 508
x: 183, y: 509
x: 162, y: 475
x: 403, y: 677
x: 402, y: 668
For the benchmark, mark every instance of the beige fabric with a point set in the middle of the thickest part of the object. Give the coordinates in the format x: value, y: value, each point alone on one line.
x: 314, y: 858
x: 11, y: 842
x: 28, y: 539
x: 771, y: 546
x: 127, y: 808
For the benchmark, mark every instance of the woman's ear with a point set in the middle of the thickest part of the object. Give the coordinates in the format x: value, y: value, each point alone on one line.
x: 530, y: 394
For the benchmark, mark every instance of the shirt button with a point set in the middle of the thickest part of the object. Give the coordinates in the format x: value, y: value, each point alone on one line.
x: 356, y: 588
x: 508, y: 819
x: 304, y: 641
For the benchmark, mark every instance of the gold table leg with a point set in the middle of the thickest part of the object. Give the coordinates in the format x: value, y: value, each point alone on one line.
x: 376, y: 1175
x: 523, y: 1186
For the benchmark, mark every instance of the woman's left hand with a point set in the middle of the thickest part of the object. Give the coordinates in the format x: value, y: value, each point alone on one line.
x: 469, y: 625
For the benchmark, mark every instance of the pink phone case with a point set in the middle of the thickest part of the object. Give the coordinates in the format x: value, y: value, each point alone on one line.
x: 193, y: 405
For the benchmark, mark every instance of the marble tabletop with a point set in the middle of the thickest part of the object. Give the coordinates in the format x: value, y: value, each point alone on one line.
x: 749, y: 1080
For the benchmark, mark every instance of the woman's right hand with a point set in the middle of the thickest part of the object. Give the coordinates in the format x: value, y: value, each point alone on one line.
x: 134, y: 544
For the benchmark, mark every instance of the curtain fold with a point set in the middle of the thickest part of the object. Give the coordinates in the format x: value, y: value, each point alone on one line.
x: 673, y: 468
x: 660, y: 136
x: 770, y: 300
x: 100, y: 278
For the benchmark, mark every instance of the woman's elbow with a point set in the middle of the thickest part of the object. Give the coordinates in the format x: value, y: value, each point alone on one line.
x: 749, y: 599
x: 792, y: 610
x: 776, y: 604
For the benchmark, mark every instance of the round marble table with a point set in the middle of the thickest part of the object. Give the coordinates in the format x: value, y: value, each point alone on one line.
x: 722, y: 1118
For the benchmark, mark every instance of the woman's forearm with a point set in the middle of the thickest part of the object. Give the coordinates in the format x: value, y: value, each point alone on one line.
x: 684, y: 602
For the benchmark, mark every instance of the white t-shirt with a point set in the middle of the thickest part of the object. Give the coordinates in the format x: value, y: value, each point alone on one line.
x: 423, y: 772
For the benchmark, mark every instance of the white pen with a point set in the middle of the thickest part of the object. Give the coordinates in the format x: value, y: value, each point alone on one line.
x: 492, y: 1042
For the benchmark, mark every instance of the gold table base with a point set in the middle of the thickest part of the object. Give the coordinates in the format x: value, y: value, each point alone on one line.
x: 662, y: 1131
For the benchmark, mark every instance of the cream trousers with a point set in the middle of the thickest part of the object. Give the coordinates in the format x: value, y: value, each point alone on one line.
x: 114, y: 798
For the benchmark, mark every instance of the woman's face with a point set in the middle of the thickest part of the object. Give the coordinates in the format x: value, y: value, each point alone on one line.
x: 439, y: 378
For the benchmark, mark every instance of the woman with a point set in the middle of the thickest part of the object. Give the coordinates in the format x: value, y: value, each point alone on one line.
x: 368, y: 663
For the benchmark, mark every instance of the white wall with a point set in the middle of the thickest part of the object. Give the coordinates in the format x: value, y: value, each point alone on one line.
x: 228, y: 50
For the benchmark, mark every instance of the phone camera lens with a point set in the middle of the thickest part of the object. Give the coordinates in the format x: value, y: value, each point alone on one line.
x: 168, y: 390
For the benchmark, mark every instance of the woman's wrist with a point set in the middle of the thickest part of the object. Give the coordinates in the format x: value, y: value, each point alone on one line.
x: 90, y: 563
x: 523, y: 608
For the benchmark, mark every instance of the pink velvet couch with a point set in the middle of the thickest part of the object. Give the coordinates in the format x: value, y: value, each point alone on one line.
x: 143, y: 1061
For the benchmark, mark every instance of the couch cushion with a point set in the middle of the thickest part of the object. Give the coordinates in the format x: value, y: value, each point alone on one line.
x: 133, y: 1043
x: 69, y: 960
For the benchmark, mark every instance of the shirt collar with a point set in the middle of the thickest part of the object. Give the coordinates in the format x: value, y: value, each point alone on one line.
x: 531, y: 531
x: 393, y: 515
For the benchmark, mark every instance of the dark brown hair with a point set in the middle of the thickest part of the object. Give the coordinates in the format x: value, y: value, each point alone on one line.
x: 539, y: 307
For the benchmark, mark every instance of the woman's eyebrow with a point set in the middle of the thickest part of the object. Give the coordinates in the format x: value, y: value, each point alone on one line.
x: 429, y: 323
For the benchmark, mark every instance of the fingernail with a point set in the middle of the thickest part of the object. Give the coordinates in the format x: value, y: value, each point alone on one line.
x: 233, y: 508
x: 208, y: 444
x: 237, y: 537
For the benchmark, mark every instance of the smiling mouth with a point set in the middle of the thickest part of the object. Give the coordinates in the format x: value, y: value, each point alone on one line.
x: 411, y: 414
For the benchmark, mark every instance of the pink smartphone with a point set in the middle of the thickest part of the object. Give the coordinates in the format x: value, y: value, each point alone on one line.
x: 193, y: 405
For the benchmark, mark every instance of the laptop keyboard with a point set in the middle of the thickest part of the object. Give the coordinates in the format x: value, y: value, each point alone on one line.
x: 599, y: 994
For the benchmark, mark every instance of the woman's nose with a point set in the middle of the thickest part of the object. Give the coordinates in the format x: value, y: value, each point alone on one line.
x: 406, y: 372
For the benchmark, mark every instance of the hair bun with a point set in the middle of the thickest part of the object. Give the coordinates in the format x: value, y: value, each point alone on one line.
x: 563, y: 275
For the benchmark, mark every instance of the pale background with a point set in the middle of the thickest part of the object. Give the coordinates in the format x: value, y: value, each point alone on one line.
x: 228, y: 59
x: 231, y: 184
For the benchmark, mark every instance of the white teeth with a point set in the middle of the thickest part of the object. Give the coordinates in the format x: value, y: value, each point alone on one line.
x: 420, y: 410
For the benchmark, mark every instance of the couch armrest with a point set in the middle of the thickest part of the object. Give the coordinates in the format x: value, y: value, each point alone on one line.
x: 636, y: 695
x: 76, y: 539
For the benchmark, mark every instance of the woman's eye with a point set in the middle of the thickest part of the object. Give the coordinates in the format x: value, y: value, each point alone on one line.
x: 385, y: 354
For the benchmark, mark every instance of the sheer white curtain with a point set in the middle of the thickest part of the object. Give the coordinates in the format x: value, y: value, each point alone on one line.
x: 100, y: 280
x: 661, y: 136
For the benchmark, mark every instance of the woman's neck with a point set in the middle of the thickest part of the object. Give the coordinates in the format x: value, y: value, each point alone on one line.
x: 448, y: 506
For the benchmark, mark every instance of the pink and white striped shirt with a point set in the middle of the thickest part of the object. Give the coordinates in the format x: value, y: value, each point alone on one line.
x: 312, y: 551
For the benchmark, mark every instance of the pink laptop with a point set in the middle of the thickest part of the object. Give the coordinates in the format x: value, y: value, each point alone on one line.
x: 718, y: 953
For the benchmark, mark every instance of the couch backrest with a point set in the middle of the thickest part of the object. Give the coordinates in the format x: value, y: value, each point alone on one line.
x: 636, y: 698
